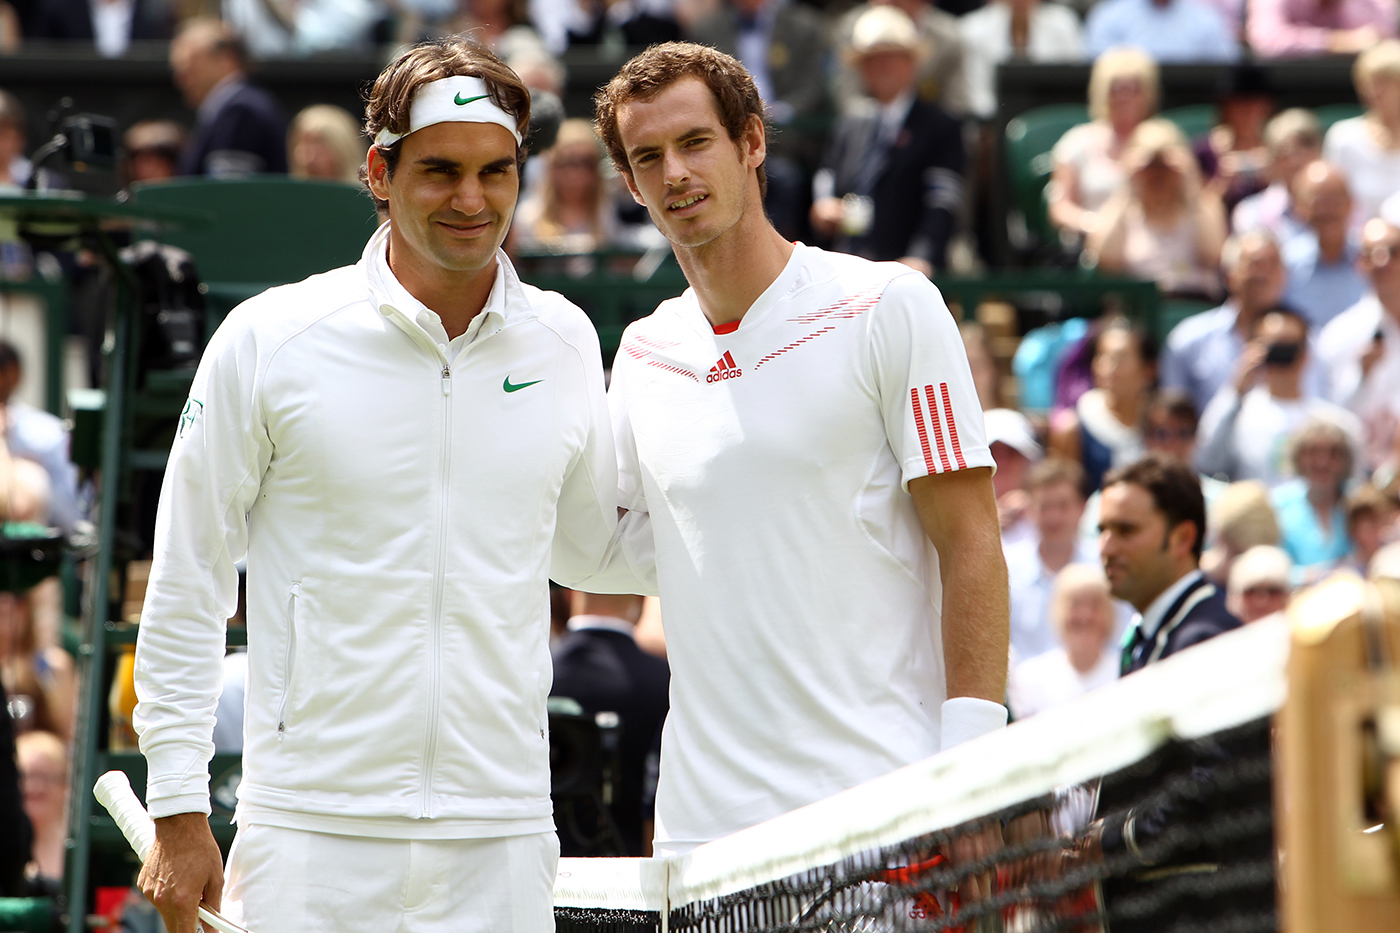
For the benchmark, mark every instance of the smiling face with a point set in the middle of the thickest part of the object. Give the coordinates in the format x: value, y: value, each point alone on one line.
x: 695, y: 181
x: 451, y: 198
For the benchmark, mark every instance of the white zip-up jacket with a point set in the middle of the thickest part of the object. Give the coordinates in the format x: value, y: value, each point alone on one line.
x: 400, y: 513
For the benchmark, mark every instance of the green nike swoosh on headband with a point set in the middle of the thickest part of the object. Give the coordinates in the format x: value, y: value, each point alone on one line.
x: 462, y: 103
x: 516, y: 388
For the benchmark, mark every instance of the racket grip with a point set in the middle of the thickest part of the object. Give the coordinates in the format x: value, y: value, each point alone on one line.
x: 114, y: 792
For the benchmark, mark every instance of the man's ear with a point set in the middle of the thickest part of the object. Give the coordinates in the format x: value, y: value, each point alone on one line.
x: 1182, y: 538
x: 755, y: 141
x: 632, y: 186
x: 378, y: 173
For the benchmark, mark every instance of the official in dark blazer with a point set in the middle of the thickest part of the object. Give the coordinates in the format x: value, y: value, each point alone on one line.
x: 599, y: 665
x: 891, y: 182
x: 73, y: 20
x: 240, y: 129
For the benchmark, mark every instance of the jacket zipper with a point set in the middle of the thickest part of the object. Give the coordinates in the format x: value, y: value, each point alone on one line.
x: 439, y: 581
x: 288, y: 661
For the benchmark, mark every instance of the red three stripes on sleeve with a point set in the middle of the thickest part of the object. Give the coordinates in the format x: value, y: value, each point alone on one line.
x: 938, y: 428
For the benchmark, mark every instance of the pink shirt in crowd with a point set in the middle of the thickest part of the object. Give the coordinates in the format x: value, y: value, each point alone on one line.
x: 1279, y: 28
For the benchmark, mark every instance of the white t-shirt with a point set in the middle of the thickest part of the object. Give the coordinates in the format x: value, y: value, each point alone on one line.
x: 801, y: 597
x: 1087, y: 149
x: 1373, y: 173
x: 1049, y: 679
x: 1246, y: 437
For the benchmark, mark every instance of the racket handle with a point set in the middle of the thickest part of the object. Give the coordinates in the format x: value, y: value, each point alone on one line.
x: 114, y: 792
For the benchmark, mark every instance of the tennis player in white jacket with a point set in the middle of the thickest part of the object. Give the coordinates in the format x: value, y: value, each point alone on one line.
x: 406, y: 450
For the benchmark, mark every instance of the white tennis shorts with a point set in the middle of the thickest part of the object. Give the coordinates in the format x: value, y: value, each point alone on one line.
x: 292, y: 881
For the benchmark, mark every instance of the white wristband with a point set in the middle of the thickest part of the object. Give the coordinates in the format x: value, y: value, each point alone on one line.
x: 966, y: 718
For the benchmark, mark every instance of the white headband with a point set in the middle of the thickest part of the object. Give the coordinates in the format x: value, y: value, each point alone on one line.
x: 458, y: 99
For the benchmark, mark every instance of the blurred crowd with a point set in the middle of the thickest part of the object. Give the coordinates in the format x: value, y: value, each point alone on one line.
x: 1282, y: 390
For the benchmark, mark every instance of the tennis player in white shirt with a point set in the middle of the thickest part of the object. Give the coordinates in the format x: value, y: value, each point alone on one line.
x: 407, y: 449
x: 801, y: 432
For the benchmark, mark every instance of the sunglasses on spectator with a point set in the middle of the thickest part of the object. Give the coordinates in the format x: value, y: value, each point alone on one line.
x: 1163, y: 435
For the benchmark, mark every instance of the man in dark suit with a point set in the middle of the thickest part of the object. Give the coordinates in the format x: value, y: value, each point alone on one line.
x: 891, y: 182
x: 1152, y: 522
x: 599, y: 665
x: 240, y: 129
x: 103, y: 24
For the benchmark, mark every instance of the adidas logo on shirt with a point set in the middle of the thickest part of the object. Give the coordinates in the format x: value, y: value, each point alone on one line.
x: 726, y: 368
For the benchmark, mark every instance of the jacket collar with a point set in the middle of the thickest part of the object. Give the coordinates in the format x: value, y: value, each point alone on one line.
x: 506, y: 302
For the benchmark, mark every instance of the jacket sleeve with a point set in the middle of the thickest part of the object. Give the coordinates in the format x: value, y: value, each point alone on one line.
x: 217, y: 462
x: 586, y: 518
x: 942, y: 198
x: 630, y: 563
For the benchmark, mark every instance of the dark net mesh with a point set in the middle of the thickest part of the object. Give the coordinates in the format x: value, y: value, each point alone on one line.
x: 1179, y: 842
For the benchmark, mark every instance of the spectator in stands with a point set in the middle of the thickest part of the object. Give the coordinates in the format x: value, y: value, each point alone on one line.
x: 1055, y: 487
x: 1245, y: 430
x: 597, y: 22
x: 326, y: 142
x: 1168, y: 30
x: 1367, y: 148
x: 109, y: 26
x: 1124, y: 89
x: 1311, y: 509
x: 1014, y: 30
x: 239, y: 128
x: 1373, y: 521
x: 1240, y: 518
x: 600, y: 665
x: 1081, y: 610
x: 1163, y: 223
x: 281, y: 28
x: 890, y: 186
x: 15, y: 169
x: 942, y: 77
x: 1260, y: 583
x: 1102, y: 430
x: 16, y: 835
x: 1015, y: 450
x: 151, y: 151
x: 1201, y: 351
x: 572, y: 210
x: 980, y: 359
x: 1153, y: 524
x: 40, y: 679
x: 1232, y: 156
x: 783, y: 44
x: 1361, y: 347
x: 43, y: 776
x: 1296, y: 28
x: 31, y: 434
x: 503, y: 26
x: 1321, y: 261
x: 1293, y: 138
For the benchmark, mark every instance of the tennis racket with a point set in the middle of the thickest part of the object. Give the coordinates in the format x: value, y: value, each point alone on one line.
x: 114, y: 792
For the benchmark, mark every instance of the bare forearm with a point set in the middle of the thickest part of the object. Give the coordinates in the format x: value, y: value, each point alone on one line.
x: 976, y: 619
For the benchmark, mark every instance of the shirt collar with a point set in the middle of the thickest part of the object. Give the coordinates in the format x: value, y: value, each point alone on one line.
x: 1156, y: 613
x: 390, y: 295
x: 585, y: 623
x: 893, y: 114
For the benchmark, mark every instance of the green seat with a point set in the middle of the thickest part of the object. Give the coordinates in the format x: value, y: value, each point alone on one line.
x: 1332, y: 113
x: 1193, y: 121
x: 1029, y: 139
x: 267, y: 230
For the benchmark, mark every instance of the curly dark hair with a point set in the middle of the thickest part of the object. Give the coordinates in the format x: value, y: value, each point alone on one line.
x: 651, y: 72
x: 390, y: 100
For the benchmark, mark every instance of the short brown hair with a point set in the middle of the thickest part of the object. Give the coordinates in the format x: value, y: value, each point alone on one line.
x: 390, y: 101
x: 651, y: 72
x: 1175, y: 490
x: 1366, y: 501
x: 1054, y: 470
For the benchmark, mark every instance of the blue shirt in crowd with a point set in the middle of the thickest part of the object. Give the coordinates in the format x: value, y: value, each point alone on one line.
x: 1174, y: 31
x: 1317, y: 290
x: 1304, y: 538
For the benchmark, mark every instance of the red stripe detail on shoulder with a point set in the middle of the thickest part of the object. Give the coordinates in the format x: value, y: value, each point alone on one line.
x: 937, y: 428
x: 723, y: 329
x: 922, y: 429
x: 952, y: 427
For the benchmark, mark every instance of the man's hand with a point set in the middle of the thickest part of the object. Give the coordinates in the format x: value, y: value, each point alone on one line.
x: 971, y: 848
x: 1250, y: 366
x: 826, y: 215
x: 184, y: 868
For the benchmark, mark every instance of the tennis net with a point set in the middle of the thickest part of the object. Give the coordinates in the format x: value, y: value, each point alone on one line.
x: 1145, y: 806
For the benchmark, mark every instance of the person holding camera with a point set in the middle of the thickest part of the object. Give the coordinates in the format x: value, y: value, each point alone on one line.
x: 1245, y: 428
